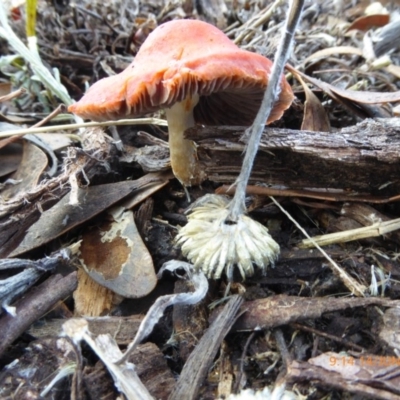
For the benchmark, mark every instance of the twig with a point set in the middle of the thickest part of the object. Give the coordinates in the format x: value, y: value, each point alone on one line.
x: 125, y: 376
x: 239, y: 378
x: 200, y: 360
x: 60, y: 109
x: 12, y: 95
x: 325, y: 335
x: 32, y: 307
x: 257, y: 20
x: 55, y: 128
x: 355, y: 287
x: 237, y: 206
x: 156, y: 311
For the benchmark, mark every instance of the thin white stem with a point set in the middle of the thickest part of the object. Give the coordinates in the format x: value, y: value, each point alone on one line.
x: 237, y: 206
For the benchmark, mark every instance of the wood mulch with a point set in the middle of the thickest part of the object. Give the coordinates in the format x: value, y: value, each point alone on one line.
x: 332, y: 162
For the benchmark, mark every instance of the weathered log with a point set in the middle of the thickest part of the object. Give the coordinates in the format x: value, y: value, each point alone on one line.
x: 362, y: 158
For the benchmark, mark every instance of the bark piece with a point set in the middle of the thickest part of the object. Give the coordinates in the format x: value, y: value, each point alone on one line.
x: 153, y: 370
x: 34, y: 305
x: 305, y: 372
x: 122, y: 329
x: 281, y: 310
x: 150, y: 366
x: 92, y: 299
x: 362, y: 158
x: 189, y: 322
x: 200, y: 360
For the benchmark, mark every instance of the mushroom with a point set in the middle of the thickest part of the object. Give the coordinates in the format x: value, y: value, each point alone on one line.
x: 198, y: 75
x: 219, y: 236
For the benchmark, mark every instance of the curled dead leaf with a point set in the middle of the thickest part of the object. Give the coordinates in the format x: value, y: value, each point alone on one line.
x: 315, y: 118
x: 114, y: 255
x: 343, y: 95
x: 367, y: 22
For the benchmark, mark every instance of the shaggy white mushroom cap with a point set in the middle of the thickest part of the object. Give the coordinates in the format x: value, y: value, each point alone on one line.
x: 213, y: 245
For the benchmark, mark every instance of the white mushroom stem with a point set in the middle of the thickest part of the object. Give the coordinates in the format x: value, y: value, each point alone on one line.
x: 237, y: 206
x: 183, y: 152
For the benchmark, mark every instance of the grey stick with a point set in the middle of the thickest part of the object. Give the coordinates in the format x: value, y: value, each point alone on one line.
x: 237, y: 206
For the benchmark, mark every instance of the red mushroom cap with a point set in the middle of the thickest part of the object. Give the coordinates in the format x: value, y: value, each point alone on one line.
x: 179, y: 59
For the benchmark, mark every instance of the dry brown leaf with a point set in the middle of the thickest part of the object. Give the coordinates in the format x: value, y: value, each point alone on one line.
x: 10, y: 158
x: 315, y: 118
x: 63, y: 216
x: 5, y: 142
x: 131, y: 201
x: 321, y: 54
x: 363, y: 97
x: 34, y: 162
x: 360, y: 97
x: 114, y: 255
x: 5, y: 89
x: 366, y: 22
x: 16, y: 119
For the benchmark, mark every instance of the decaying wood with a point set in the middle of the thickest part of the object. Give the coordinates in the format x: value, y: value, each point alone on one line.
x: 280, y: 310
x: 92, y: 299
x: 200, y: 360
x: 54, y: 353
x: 41, y: 361
x: 306, y: 372
x: 361, y: 158
x: 122, y: 329
x: 34, y: 305
x: 189, y: 322
x: 226, y: 372
x: 153, y: 370
x: 150, y: 366
x: 16, y: 285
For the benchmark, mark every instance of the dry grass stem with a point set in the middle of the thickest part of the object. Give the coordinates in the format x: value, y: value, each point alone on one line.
x: 354, y: 287
x: 56, y: 128
x: 375, y: 230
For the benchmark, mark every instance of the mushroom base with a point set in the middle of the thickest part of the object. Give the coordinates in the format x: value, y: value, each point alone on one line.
x: 183, y: 152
